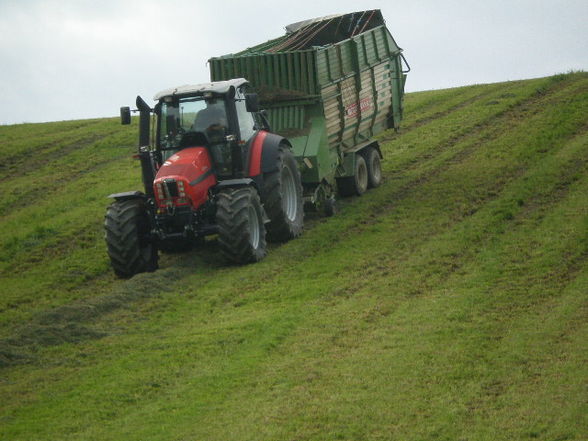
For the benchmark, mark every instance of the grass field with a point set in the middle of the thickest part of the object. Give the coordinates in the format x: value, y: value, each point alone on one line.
x: 451, y: 303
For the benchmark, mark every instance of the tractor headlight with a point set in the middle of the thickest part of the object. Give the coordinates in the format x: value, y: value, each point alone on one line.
x: 159, y: 191
x: 181, y: 189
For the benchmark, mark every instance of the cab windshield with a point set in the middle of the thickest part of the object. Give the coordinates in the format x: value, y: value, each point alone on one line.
x: 182, y: 118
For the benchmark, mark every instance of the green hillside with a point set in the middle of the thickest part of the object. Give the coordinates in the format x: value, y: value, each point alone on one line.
x: 450, y: 303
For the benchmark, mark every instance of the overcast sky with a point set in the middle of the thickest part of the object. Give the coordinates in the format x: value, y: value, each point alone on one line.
x: 68, y: 59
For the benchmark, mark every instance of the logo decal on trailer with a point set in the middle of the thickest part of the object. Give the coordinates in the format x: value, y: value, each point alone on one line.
x: 352, y: 110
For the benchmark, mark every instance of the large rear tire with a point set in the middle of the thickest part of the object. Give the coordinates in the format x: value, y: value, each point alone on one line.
x: 357, y: 184
x: 282, y: 199
x: 241, y: 229
x: 127, y: 234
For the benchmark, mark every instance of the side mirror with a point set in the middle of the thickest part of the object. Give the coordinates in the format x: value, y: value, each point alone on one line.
x: 125, y: 115
x: 252, y: 102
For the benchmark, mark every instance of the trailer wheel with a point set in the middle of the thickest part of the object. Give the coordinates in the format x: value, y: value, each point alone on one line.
x: 241, y: 229
x: 127, y: 233
x: 356, y: 184
x: 282, y: 199
x: 374, y: 167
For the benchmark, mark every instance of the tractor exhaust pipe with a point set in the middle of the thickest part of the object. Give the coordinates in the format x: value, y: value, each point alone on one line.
x: 144, y: 121
x: 145, y: 155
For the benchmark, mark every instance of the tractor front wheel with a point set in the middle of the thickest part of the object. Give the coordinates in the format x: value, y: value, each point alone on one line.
x: 241, y: 227
x: 128, y: 239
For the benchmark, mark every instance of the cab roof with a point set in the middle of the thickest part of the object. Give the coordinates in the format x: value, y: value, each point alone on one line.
x: 217, y: 87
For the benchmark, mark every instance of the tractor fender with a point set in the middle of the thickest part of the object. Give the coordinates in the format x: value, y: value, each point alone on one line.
x: 256, y: 182
x: 241, y: 182
x: 127, y: 195
x: 264, y: 153
x: 270, y: 153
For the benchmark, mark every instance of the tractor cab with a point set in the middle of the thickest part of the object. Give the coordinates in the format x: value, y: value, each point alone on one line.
x: 220, y: 116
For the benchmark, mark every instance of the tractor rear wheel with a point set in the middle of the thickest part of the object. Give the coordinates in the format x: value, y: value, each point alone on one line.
x: 282, y: 198
x: 127, y: 234
x: 356, y: 184
x: 241, y: 226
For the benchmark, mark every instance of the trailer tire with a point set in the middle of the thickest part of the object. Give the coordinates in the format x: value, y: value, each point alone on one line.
x: 374, y: 167
x: 127, y: 234
x: 357, y: 184
x: 241, y: 229
x: 282, y: 198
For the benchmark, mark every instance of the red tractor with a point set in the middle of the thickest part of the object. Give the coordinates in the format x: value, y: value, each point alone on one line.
x: 212, y: 167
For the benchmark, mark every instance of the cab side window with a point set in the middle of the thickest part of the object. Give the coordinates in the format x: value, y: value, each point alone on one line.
x: 246, y: 120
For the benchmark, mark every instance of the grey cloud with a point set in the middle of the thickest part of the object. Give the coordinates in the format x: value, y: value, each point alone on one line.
x: 80, y: 59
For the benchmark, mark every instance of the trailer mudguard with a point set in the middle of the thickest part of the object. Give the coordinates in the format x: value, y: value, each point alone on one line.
x: 264, y: 152
x: 347, y: 166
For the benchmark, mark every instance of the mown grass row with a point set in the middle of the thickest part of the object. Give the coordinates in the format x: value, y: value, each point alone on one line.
x: 46, y: 222
x: 53, y: 201
x: 447, y: 304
